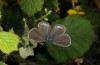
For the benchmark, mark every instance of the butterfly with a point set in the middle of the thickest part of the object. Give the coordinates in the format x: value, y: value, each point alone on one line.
x: 55, y: 35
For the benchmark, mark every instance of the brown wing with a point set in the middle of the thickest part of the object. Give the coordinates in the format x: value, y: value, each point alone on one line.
x: 58, y: 30
x: 63, y: 40
x: 36, y: 35
x: 44, y: 28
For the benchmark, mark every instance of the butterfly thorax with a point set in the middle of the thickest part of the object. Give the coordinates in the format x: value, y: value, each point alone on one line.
x: 49, y: 38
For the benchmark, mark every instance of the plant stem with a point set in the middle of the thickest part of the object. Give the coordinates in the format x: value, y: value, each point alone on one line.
x: 43, y: 16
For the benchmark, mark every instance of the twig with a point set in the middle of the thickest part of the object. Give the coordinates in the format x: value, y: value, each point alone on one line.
x: 43, y: 16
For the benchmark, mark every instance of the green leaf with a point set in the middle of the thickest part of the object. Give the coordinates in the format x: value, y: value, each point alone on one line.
x: 2, y: 63
x: 0, y: 5
x: 52, y: 3
x: 89, y: 15
x: 82, y: 36
x: 8, y: 42
x: 53, y: 16
x: 30, y: 7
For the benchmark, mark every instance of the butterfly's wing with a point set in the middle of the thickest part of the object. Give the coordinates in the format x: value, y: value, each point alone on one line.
x: 63, y: 40
x: 35, y: 34
x: 58, y: 30
x: 44, y: 28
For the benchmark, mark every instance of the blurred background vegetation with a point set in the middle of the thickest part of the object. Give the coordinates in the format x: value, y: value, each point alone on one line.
x: 22, y: 15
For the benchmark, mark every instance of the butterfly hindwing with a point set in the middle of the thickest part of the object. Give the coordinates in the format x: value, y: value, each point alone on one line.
x: 63, y: 40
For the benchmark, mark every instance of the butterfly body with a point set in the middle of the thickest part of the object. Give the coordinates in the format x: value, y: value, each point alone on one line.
x: 49, y: 38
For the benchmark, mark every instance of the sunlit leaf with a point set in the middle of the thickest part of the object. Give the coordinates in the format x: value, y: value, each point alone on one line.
x: 30, y: 7
x: 8, y: 42
x: 82, y: 36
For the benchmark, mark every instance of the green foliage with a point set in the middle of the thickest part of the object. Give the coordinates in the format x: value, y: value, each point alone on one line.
x: 52, y: 3
x: 93, y: 16
x: 8, y: 42
x: 82, y: 37
x: 2, y: 63
x: 91, y: 12
x: 30, y: 7
x: 12, y: 18
x: 0, y: 5
x: 53, y: 16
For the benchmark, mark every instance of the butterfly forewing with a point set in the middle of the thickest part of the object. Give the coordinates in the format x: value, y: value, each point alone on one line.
x: 35, y: 34
x: 44, y: 28
x: 58, y: 30
x: 63, y: 40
